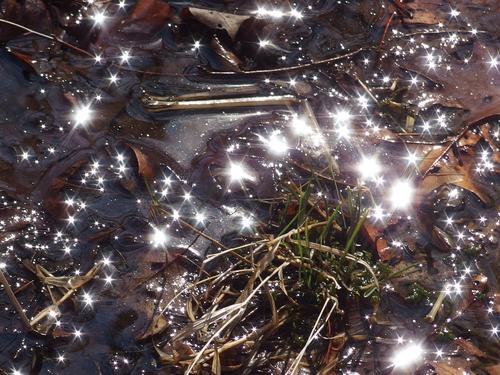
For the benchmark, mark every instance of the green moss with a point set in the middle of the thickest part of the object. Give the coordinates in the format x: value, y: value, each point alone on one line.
x: 444, y: 334
x: 417, y: 293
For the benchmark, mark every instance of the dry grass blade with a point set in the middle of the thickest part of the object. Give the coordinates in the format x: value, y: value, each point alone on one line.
x: 216, y: 366
x: 294, y: 367
x: 67, y: 282
x: 238, y: 310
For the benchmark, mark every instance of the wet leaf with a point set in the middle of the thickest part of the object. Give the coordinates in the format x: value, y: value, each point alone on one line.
x: 143, y: 21
x: 27, y: 13
x: 145, y: 165
x: 165, y: 358
x: 218, y: 20
x: 492, y: 369
x: 158, y: 325
x: 441, y: 239
x: 228, y: 59
x: 147, y: 16
x: 467, y: 85
x: 374, y: 237
x: 451, y: 172
x: 470, y: 348
x: 432, y: 12
x: 68, y: 282
x: 443, y: 368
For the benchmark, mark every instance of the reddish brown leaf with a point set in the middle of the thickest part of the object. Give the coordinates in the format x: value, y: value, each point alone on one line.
x: 374, y: 238
x: 492, y: 370
x: 467, y: 85
x: 145, y: 165
x: 470, y: 348
x: 148, y: 16
x: 451, y: 172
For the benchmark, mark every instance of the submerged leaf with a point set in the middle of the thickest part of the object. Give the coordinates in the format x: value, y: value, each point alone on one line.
x: 455, y: 174
x: 467, y: 84
x: 145, y: 165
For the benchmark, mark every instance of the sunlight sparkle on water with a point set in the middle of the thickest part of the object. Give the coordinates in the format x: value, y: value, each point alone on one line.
x: 407, y: 356
x: 159, y: 238
x: 82, y: 115
x: 401, y: 194
x: 369, y: 167
x: 276, y: 143
x: 238, y: 172
x: 300, y: 126
x: 99, y: 18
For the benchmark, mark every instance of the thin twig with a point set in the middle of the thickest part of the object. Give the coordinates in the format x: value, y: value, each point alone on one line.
x: 291, y: 68
x: 50, y: 37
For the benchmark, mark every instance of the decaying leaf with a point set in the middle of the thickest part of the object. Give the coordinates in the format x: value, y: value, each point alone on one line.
x: 467, y: 85
x: 375, y: 239
x: 158, y: 325
x: 228, y: 60
x: 492, y: 369
x: 442, y: 368
x: 145, y: 165
x: 470, y: 348
x: 218, y: 20
x: 67, y: 282
x: 441, y: 239
x: 451, y: 172
x: 433, y: 12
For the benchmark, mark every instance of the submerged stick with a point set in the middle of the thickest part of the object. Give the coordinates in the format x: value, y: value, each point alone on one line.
x: 50, y: 37
x: 291, y: 68
x: 435, y: 308
x: 15, y: 302
x: 170, y: 105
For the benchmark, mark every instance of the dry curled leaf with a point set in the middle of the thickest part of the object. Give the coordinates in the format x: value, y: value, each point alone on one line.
x: 219, y: 20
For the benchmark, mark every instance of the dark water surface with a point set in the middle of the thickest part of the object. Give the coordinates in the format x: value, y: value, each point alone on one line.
x: 75, y: 192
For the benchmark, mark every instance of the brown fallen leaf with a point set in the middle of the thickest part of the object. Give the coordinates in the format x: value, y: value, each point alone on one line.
x: 374, y: 238
x: 432, y: 12
x: 442, y: 368
x: 441, y: 239
x: 158, y: 325
x: 467, y: 85
x: 219, y: 20
x: 145, y: 165
x: 146, y: 18
x: 470, y: 348
x: 492, y: 369
x: 451, y: 172
x: 227, y: 59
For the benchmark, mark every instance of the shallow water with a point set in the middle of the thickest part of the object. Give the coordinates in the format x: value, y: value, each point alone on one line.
x: 73, y: 195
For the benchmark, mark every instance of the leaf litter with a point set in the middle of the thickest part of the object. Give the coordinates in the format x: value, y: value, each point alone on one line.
x: 206, y: 248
